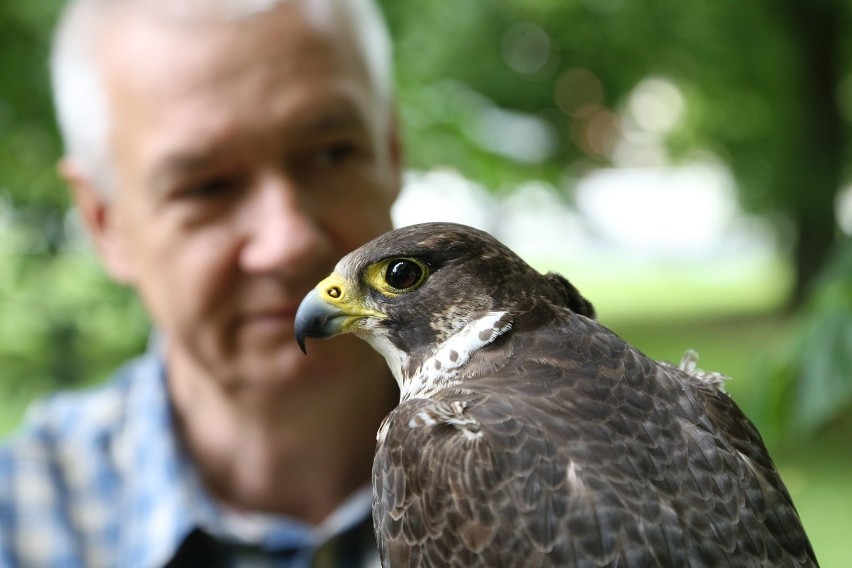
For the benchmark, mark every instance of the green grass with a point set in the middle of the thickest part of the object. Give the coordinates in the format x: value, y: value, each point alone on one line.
x: 670, y: 291
x: 818, y: 474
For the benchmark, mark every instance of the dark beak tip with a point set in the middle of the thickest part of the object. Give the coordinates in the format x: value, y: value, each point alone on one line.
x: 317, y: 319
x: 302, y: 321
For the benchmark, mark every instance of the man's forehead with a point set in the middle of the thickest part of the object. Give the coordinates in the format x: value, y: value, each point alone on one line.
x: 191, y: 89
x: 223, y: 46
x: 212, y: 66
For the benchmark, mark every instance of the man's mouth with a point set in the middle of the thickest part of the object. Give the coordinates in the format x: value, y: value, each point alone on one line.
x: 270, y: 317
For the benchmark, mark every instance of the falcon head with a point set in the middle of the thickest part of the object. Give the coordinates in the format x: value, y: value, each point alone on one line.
x: 413, y: 289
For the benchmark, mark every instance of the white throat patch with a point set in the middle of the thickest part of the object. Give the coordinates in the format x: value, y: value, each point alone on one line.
x: 396, y: 359
x: 440, y: 370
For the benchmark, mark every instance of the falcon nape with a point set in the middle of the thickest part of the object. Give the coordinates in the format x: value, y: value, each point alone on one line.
x: 528, y: 434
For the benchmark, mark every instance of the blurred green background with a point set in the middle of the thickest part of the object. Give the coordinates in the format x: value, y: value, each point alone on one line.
x: 505, y: 94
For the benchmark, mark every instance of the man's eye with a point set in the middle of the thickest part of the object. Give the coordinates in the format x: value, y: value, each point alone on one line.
x: 334, y: 154
x: 210, y: 188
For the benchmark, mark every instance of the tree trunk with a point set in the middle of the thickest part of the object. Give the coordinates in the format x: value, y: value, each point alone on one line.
x: 814, y: 25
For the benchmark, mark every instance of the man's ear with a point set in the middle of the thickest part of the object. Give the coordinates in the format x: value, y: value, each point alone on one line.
x: 98, y: 212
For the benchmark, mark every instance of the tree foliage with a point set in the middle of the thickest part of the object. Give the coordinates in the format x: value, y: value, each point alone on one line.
x: 759, y: 78
x: 811, y: 373
x: 61, y: 321
x: 505, y: 91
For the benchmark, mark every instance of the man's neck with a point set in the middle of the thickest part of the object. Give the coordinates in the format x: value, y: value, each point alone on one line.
x: 300, y: 453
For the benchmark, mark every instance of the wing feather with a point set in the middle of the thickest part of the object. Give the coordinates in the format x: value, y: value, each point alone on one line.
x: 587, y: 453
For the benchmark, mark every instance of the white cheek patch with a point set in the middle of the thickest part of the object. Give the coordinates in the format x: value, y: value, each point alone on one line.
x: 440, y: 370
x: 396, y: 359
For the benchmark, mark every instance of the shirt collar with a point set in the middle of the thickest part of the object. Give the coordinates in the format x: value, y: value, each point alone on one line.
x: 165, y: 499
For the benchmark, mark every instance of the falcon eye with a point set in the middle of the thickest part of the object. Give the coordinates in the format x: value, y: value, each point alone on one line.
x: 396, y: 276
x: 403, y: 273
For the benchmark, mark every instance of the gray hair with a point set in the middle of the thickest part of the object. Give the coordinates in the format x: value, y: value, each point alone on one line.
x: 78, y: 93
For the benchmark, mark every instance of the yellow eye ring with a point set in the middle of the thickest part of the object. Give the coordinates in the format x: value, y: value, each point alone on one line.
x: 396, y: 276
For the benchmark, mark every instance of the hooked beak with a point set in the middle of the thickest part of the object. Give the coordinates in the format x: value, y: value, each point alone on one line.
x: 328, y: 310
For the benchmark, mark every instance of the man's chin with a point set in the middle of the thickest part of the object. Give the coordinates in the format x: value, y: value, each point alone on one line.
x: 272, y: 360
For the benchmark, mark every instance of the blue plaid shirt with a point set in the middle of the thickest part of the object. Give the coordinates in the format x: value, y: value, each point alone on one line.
x: 98, y: 479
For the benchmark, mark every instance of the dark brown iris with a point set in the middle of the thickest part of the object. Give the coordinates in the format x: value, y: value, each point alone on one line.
x: 403, y: 274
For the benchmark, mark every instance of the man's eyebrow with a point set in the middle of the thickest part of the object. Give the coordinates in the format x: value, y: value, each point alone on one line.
x: 341, y: 116
x: 181, y: 165
x: 344, y: 116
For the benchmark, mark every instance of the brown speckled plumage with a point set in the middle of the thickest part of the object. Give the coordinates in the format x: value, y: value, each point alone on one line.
x: 559, y: 444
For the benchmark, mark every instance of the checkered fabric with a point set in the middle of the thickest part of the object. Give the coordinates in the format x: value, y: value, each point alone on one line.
x: 98, y: 479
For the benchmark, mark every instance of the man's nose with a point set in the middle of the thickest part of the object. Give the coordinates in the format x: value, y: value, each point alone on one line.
x: 282, y: 228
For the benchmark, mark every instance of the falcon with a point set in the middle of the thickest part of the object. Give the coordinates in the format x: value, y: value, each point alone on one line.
x: 528, y: 434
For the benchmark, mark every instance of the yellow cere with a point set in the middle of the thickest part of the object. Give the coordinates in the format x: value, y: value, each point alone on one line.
x: 337, y: 291
x: 334, y: 291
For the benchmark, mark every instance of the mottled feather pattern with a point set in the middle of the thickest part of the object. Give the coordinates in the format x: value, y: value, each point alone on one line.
x: 588, y: 464
x: 553, y: 443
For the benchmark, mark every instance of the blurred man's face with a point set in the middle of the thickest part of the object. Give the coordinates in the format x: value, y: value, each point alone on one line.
x: 247, y: 163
